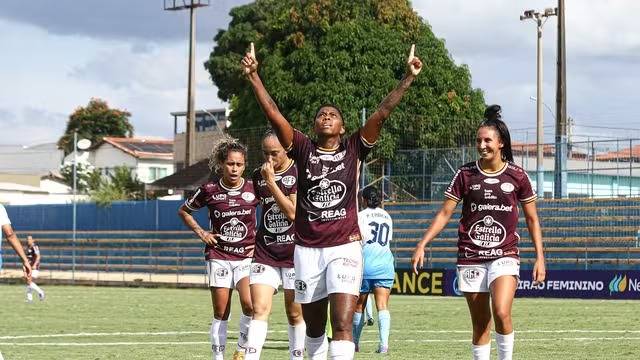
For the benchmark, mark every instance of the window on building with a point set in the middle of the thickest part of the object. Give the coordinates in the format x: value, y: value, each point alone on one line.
x: 157, y: 173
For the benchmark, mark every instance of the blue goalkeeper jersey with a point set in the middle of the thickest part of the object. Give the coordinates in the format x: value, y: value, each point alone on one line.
x: 376, y: 228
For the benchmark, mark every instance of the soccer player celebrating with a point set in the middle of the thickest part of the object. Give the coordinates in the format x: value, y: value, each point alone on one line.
x: 33, y: 254
x: 488, y: 257
x: 376, y: 227
x: 230, y: 242
x: 275, y: 186
x: 328, y: 254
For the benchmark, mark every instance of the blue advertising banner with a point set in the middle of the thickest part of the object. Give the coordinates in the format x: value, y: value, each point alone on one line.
x: 582, y: 284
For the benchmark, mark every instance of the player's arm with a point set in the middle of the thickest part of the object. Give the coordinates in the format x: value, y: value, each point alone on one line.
x: 286, y: 203
x: 8, y: 232
x: 533, y: 224
x: 280, y: 125
x: 372, y: 128
x: 207, y: 237
x: 439, y: 222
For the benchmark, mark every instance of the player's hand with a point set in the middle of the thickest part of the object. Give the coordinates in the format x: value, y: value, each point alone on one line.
x: 249, y: 61
x: 267, y: 171
x: 417, y: 259
x: 414, y: 64
x: 26, y: 271
x: 210, y: 238
x: 539, y: 272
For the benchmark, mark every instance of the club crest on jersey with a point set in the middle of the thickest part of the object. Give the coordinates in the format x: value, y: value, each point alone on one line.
x: 327, y: 193
x: 507, y: 187
x: 233, y: 230
x: 222, y: 273
x: 257, y: 268
x: 275, y: 221
x: 300, y: 286
x: 248, y: 196
x: 288, y: 180
x: 487, y: 233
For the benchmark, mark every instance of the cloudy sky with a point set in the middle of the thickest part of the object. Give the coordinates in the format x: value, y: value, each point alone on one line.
x: 56, y: 55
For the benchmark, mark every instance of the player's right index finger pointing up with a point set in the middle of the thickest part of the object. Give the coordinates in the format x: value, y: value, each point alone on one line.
x: 412, y: 51
x: 253, y: 51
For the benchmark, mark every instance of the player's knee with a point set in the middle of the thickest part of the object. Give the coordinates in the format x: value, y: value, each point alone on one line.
x: 258, y: 309
x: 294, y: 314
x: 502, y: 315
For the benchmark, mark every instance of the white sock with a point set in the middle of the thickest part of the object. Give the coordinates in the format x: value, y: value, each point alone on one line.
x: 296, y: 341
x: 218, y: 336
x: 481, y: 352
x: 505, y: 346
x: 317, y: 347
x: 244, y: 332
x: 342, y: 350
x: 37, y: 288
x: 255, y: 339
x: 29, y: 295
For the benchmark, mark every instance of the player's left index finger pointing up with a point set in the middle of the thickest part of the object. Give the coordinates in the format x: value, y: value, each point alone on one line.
x: 412, y: 51
x: 253, y: 51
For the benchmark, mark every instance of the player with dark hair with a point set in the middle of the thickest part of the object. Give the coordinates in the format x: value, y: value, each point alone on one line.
x: 328, y: 255
x: 488, y: 257
x: 33, y: 254
x: 276, y: 187
x: 230, y: 242
x: 376, y: 227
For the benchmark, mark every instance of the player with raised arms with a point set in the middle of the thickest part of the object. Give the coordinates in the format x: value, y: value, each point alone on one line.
x: 276, y: 187
x: 488, y: 256
x: 376, y: 227
x: 230, y: 241
x: 328, y: 254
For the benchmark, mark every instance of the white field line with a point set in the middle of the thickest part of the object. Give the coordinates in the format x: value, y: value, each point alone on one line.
x: 126, y: 343
x: 166, y: 333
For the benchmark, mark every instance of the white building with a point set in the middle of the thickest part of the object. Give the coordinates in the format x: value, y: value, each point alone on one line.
x: 148, y: 158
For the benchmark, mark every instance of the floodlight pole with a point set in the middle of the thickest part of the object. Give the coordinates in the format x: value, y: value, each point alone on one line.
x: 190, y: 138
x: 562, y: 149
x: 538, y: 18
x: 75, y: 186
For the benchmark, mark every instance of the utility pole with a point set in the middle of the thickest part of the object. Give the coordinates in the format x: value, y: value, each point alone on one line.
x: 540, y: 19
x: 562, y: 150
x: 190, y: 136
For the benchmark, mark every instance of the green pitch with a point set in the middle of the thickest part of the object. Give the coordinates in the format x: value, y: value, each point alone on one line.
x: 137, y: 323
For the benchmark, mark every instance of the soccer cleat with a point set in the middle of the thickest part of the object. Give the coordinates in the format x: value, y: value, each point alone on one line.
x: 357, y: 348
x: 370, y: 322
x: 238, y: 355
x: 41, y: 297
x: 383, y: 350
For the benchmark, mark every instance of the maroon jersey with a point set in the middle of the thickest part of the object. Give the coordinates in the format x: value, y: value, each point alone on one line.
x: 232, y: 214
x: 274, y: 242
x: 489, y: 219
x: 32, y: 255
x: 327, y: 208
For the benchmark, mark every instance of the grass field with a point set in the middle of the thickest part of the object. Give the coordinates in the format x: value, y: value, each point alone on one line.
x: 139, y: 323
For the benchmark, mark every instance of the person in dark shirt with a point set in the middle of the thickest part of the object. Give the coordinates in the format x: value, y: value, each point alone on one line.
x: 328, y: 254
x: 488, y: 257
x: 276, y: 187
x: 33, y: 254
x: 230, y: 242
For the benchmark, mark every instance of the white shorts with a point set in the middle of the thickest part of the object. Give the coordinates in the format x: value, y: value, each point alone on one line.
x: 272, y: 276
x: 35, y: 274
x: 227, y: 273
x: 324, y: 271
x: 478, y: 278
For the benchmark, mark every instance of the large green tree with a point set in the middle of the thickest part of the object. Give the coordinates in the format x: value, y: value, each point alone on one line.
x: 350, y: 53
x: 94, y: 122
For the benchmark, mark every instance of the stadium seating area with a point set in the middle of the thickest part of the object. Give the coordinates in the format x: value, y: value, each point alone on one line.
x: 578, y: 234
